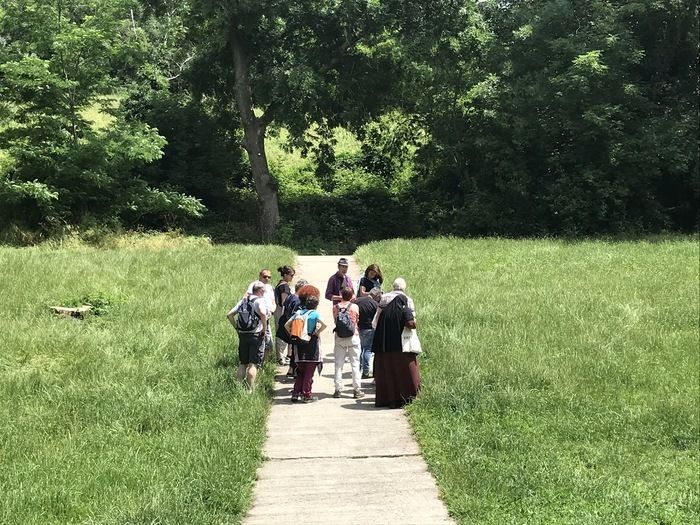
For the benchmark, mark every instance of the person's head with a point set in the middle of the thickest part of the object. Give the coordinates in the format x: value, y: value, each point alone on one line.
x: 342, y: 265
x: 306, y: 291
x: 265, y: 275
x: 399, y: 284
x: 258, y: 288
x: 373, y: 272
x: 346, y: 293
x: 286, y: 272
x: 312, y: 302
x: 300, y: 283
x: 376, y: 294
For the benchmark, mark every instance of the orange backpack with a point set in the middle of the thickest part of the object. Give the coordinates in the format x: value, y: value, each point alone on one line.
x: 298, y: 328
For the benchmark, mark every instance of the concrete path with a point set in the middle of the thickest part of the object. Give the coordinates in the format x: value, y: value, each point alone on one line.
x: 340, y: 461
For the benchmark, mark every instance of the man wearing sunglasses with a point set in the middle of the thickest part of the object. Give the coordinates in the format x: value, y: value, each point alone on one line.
x: 269, y: 298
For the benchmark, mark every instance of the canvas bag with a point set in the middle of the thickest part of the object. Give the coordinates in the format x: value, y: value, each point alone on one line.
x: 410, y: 342
x: 409, y: 337
x: 298, y: 327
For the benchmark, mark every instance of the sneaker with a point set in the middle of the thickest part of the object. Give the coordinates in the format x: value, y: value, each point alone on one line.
x: 296, y: 398
x: 366, y: 375
x: 358, y: 394
x: 336, y: 394
x: 310, y: 399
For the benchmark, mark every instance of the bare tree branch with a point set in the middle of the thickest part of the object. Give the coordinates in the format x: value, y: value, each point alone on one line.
x: 182, y: 67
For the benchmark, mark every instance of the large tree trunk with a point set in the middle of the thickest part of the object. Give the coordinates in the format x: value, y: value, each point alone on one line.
x: 254, y: 140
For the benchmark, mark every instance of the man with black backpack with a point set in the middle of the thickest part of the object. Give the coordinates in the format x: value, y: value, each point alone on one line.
x: 249, y: 317
x: 347, y: 341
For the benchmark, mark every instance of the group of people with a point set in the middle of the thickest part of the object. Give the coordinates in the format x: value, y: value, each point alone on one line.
x: 370, y: 327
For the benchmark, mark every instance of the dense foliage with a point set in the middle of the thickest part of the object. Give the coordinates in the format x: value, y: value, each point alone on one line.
x: 513, y: 118
x: 575, y: 117
x: 57, y: 61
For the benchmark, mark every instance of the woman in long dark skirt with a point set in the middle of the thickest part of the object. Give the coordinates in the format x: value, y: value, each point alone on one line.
x: 396, y: 373
x: 307, y: 355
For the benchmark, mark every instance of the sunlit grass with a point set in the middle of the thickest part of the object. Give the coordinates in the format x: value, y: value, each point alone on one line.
x: 133, y: 416
x: 345, y: 142
x: 96, y: 114
x: 560, y: 379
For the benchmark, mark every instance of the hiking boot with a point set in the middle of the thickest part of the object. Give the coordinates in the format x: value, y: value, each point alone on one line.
x: 358, y: 394
x: 336, y: 394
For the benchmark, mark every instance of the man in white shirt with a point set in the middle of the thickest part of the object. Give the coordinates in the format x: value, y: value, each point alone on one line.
x: 347, y: 344
x: 269, y: 297
x: 251, y: 343
x: 265, y: 278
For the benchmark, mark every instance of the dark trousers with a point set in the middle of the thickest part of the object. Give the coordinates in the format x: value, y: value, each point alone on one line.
x: 304, y: 379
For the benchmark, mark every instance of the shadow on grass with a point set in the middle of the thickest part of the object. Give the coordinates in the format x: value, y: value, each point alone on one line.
x: 226, y: 360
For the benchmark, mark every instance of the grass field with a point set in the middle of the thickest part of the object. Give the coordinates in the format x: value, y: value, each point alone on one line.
x: 561, y: 380
x: 132, y: 416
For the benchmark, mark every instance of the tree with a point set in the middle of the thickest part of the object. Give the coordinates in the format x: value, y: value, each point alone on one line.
x: 551, y: 116
x: 60, y: 60
x: 294, y: 64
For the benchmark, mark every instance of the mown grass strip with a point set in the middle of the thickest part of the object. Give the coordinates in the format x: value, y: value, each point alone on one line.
x: 133, y: 416
x: 560, y: 379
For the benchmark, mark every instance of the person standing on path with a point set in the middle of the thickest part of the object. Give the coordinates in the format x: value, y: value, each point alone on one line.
x: 307, y: 355
x: 347, y: 342
x: 282, y: 291
x: 371, y: 279
x: 251, y: 338
x: 269, y: 296
x: 368, y: 308
x: 338, y: 280
x: 291, y: 304
x: 396, y: 373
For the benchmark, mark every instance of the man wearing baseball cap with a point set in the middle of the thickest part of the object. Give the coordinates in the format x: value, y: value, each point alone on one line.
x: 338, y: 280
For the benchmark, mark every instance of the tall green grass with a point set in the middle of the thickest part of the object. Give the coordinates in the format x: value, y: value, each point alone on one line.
x: 133, y: 416
x: 561, y: 380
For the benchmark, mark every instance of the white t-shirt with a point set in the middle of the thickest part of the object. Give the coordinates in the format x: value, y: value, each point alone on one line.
x: 269, y: 296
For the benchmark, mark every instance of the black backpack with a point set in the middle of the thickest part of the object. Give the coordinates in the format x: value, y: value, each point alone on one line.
x: 247, y: 319
x: 344, y: 326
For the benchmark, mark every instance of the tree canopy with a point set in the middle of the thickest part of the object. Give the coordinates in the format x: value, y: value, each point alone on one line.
x: 513, y: 118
